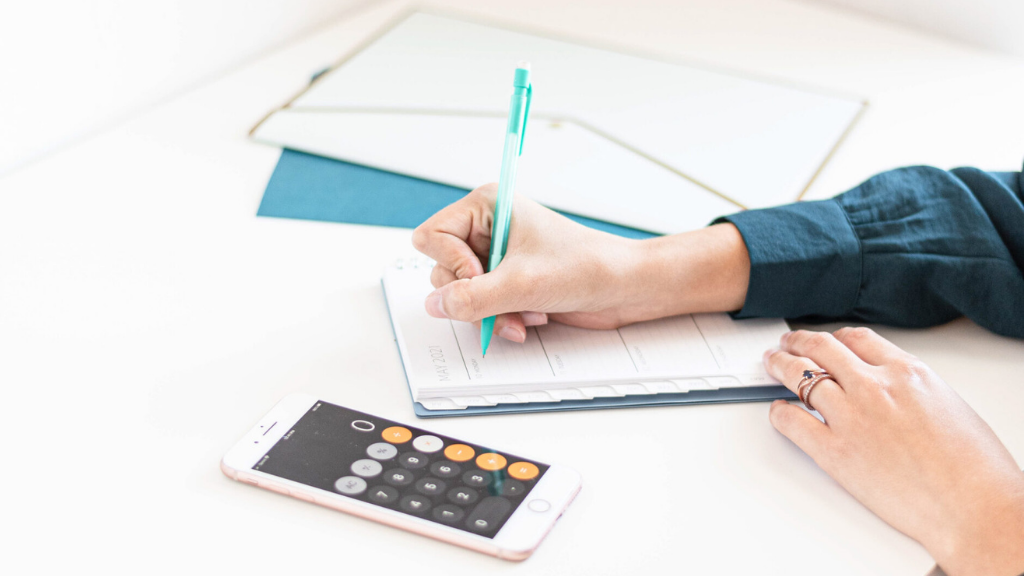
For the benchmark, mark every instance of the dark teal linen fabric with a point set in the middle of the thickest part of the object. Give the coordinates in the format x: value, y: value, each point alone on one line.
x: 912, y: 247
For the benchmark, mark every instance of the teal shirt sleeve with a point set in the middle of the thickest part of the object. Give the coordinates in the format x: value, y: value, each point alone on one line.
x: 911, y: 247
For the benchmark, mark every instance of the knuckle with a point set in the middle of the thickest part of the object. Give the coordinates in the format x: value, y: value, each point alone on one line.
x: 420, y: 238
x: 463, y: 269
x: 488, y: 191
x: 912, y: 370
x: 458, y: 303
x: 807, y: 341
x: 853, y: 334
x: 775, y: 357
x: 438, y: 277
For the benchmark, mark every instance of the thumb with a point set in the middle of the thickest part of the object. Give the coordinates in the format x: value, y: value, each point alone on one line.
x: 472, y: 299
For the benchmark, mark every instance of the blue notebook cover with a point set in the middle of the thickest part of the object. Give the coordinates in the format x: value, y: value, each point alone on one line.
x: 310, y: 187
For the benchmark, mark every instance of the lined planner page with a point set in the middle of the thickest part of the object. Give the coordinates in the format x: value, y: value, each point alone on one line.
x: 443, y: 358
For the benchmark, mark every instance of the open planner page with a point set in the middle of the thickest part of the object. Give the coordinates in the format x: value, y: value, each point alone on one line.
x: 443, y: 361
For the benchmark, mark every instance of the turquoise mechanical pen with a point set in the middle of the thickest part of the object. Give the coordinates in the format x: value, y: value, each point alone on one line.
x: 518, y: 112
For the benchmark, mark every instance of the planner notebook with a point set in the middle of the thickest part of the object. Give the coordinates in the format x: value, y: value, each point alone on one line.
x: 682, y: 359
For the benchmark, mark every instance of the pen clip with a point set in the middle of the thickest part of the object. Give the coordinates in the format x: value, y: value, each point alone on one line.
x: 526, y: 116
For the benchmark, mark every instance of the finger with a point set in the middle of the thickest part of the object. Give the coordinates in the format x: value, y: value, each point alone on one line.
x: 510, y: 327
x: 440, y: 276
x: 828, y: 397
x: 534, y: 318
x: 447, y: 236
x: 870, y: 347
x: 807, y: 432
x: 473, y: 299
x: 451, y: 252
x: 825, y: 351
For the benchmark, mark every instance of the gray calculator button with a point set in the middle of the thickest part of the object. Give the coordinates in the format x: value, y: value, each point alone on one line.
x: 476, y: 478
x: 366, y: 468
x: 430, y: 486
x: 490, y: 512
x: 415, y: 504
x: 398, y: 477
x: 382, y: 451
x: 383, y: 494
x: 512, y: 488
x: 427, y: 444
x: 445, y: 469
x: 351, y: 485
x: 413, y: 460
x: 448, y: 513
x: 462, y: 496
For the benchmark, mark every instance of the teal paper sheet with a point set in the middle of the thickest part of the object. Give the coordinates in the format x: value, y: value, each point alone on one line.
x: 309, y: 187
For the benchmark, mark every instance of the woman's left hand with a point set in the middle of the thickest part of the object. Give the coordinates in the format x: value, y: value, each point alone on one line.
x: 904, y: 444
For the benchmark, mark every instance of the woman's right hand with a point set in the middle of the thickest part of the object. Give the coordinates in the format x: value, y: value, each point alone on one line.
x: 558, y: 269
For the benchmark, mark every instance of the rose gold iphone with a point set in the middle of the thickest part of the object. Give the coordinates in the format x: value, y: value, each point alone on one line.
x: 470, y: 495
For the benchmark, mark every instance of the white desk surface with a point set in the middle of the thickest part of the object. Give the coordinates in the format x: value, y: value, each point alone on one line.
x: 147, y: 318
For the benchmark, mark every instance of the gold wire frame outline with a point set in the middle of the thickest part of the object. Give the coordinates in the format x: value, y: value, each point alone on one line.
x: 409, y: 11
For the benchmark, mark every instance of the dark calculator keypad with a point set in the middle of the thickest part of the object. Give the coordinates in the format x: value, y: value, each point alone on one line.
x: 429, y: 476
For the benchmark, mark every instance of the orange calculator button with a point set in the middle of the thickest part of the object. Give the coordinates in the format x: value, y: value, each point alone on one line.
x: 491, y: 461
x: 459, y: 453
x: 396, y: 435
x: 523, y: 471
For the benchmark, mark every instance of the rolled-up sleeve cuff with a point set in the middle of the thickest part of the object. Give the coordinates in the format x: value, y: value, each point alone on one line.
x: 805, y: 260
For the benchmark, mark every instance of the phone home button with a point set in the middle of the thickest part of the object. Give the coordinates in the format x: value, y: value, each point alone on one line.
x: 539, y: 505
x: 363, y: 425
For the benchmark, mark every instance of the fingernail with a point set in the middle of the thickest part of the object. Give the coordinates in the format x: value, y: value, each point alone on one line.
x: 767, y: 353
x: 434, y: 305
x: 510, y: 333
x: 534, y: 318
x: 785, y: 337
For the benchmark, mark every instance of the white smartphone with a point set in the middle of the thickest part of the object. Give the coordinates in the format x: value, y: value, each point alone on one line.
x: 470, y: 495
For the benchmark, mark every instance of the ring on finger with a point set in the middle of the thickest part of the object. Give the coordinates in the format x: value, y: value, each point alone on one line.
x: 809, y: 375
x: 806, y: 386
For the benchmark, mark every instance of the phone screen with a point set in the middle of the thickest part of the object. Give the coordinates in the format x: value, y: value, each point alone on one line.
x: 402, y: 468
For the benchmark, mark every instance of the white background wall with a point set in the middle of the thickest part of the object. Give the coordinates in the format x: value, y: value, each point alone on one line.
x: 69, y: 68
x: 994, y: 24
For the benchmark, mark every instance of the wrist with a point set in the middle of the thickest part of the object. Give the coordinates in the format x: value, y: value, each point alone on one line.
x: 990, y: 540
x: 705, y: 270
